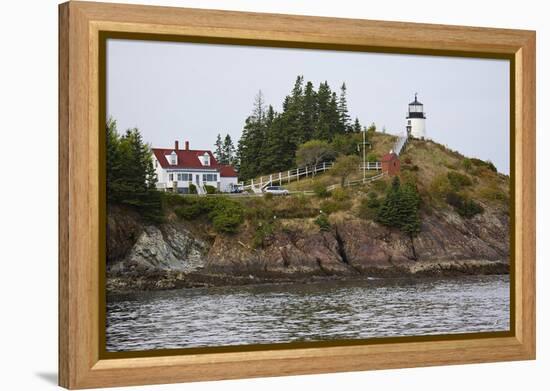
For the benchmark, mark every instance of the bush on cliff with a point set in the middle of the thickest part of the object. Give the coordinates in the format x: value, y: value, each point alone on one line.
x: 320, y: 190
x: 464, y: 206
x: 323, y: 222
x: 458, y: 180
x: 226, y: 215
x: 399, y: 208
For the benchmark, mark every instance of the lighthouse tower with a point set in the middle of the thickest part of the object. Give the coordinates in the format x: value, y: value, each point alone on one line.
x: 416, y: 119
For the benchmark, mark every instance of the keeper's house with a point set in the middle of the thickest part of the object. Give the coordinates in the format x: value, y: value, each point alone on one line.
x: 177, y: 168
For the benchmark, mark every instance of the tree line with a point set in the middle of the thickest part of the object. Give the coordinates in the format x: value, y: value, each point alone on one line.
x: 270, y: 139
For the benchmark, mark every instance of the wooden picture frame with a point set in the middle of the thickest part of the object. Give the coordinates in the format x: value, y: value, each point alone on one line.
x: 80, y: 245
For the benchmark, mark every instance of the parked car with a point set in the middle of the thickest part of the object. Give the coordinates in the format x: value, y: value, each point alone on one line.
x: 276, y: 190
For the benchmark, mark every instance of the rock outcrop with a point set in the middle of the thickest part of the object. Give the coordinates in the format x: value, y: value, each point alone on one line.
x: 171, y: 255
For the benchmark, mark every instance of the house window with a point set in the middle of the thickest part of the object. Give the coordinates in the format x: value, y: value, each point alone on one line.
x: 209, y: 177
x: 173, y: 158
x: 170, y: 177
x: 206, y: 159
x: 184, y: 177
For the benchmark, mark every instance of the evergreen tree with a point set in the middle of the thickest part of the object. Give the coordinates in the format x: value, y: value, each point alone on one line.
x: 335, y: 125
x: 228, y: 150
x: 113, y: 159
x: 389, y: 211
x: 270, y: 140
x: 251, y: 143
x: 343, y: 110
x: 400, y: 208
x: 131, y: 177
x: 322, y: 129
x: 310, y: 111
x: 218, y: 149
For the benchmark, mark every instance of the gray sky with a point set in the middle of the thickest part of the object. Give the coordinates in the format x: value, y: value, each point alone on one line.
x: 195, y: 91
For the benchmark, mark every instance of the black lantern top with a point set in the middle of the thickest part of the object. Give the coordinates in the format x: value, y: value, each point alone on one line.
x: 416, y: 109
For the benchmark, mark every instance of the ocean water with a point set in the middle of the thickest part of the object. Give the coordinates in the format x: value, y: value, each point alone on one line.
x: 265, y: 314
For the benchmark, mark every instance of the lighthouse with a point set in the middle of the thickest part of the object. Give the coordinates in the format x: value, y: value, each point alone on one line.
x: 416, y: 119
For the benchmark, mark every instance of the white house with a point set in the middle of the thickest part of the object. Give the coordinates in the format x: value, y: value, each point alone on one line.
x: 177, y: 168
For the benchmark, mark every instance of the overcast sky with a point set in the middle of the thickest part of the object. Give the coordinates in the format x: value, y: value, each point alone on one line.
x: 195, y: 91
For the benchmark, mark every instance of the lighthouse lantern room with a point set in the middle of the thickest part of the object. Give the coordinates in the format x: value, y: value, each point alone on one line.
x: 416, y: 119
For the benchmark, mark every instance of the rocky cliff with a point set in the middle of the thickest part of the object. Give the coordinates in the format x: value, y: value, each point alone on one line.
x: 184, y: 254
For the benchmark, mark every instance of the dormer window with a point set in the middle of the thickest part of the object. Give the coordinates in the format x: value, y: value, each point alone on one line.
x: 206, y: 159
x: 173, y: 158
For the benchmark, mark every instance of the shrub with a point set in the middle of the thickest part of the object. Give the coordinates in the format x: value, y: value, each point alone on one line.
x: 339, y: 194
x: 225, y: 214
x: 493, y: 193
x: 323, y: 222
x: 268, y: 196
x: 465, y: 207
x: 320, y: 190
x: 480, y: 163
x: 192, y: 188
x: 210, y: 189
x: 189, y: 212
x: 263, y: 231
x: 227, y: 222
x: 467, y: 164
x: 407, y: 160
x: 458, y: 180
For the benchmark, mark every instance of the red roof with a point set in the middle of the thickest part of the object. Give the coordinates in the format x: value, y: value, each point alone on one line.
x: 388, y: 157
x: 227, y: 171
x: 189, y: 158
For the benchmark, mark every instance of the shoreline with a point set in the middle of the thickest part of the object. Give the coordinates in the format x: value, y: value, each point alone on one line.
x: 171, y: 280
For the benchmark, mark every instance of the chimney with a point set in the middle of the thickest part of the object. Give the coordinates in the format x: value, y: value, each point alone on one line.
x: 177, y: 146
x: 187, y: 145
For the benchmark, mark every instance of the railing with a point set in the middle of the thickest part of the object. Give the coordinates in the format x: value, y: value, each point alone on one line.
x: 358, y: 182
x: 257, y: 185
x: 371, y: 166
x: 400, y: 143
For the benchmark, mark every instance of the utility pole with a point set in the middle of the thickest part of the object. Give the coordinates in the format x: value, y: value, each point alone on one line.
x: 364, y: 142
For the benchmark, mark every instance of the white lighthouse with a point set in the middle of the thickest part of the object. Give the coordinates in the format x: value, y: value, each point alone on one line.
x: 416, y: 119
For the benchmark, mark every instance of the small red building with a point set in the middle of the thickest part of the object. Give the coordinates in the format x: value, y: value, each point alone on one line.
x: 390, y: 164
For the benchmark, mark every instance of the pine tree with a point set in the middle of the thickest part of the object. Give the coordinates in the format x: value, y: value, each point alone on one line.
x: 310, y: 111
x: 343, y: 110
x: 400, y: 208
x: 113, y: 159
x: 228, y: 150
x: 131, y: 177
x: 218, y: 149
x: 322, y: 129
x: 251, y: 142
x: 336, y: 126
